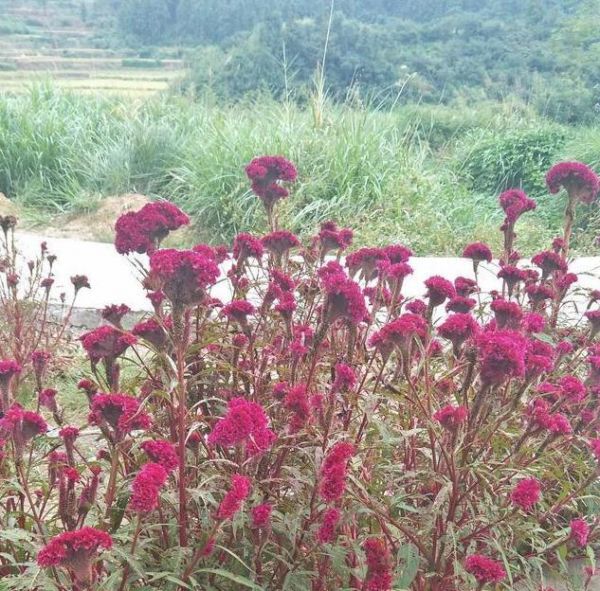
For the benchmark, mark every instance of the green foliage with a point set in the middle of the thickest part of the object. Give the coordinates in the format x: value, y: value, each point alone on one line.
x: 135, y: 62
x: 520, y: 158
x: 428, y: 175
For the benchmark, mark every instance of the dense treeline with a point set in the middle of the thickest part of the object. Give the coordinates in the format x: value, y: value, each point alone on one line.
x: 546, y: 52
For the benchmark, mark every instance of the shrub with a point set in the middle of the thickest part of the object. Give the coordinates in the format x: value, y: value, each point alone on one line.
x: 312, y: 429
x: 517, y: 158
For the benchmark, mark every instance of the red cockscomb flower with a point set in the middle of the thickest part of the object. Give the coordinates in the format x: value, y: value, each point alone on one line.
x: 578, y: 179
x: 266, y: 174
x: 526, y: 493
x: 145, y: 488
x: 184, y: 274
x: 579, y: 532
x: 344, y: 298
x: 106, y: 342
x: 484, y: 569
x: 261, y: 515
x: 153, y: 331
x: 123, y: 413
x: 439, y: 290
x: 75, y: 550
x: 549, y: 261
x: 237, y: 494
x: 142, y: 231
x: 115, y: 313
x: 245, y: 423
x: 161, y: 452
x: 327, y: 530
x: 458, y: 328
x: 334, y: 471
x: 502, y: 356
x: 478, y: 252
x: 379, y: 565
x: 451, y: 417
x: 515, y: 202
x: 246, y: 246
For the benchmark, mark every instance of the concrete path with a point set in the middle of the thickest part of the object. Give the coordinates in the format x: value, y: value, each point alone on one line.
x: 115, y: 279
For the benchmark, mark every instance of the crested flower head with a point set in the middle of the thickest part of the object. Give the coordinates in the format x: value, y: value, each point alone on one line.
x: 344, y: 298
x: 484, y: 569
x: 123, y: 413
x: 327, y: 530
x: 141, y: 231
x: 334, y: 471
x: 439, y: 290
x: 106, y: 342
x: 578, y: 179
x: 280, y: 242
x: 261, y: 515
x: 184, y: 275
x: 507, y: 314
x: 365, y: 261
x: 233, y: 499
x: 458, y: 328
x: 244, y: 423
x: 502, y: 356
x: 379, y: 565
x: 161, y: 452
x: 75, y: 550
x: 146, y: 486
x: 515, y: 202
x: 266, y: 174
x: 246, y: 246
x: 549, y: 261
x: 331, y: 237
x: 478, y: 251
x: 526, y: 493
x: 451, y: 417
x: 579, y: 532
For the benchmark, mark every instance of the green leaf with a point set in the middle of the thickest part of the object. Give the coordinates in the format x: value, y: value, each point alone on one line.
x: 239, y: 579
x: 408, y: 559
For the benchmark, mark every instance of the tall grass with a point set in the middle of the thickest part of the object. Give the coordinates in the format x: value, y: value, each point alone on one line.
x: 405, y: 174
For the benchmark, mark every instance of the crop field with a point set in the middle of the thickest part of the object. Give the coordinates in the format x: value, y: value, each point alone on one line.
x: 48, y: 43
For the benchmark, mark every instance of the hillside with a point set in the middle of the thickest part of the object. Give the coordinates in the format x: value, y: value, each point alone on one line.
x: 71, y: 42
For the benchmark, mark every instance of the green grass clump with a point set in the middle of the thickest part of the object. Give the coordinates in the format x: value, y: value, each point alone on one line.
x: 427, y: 176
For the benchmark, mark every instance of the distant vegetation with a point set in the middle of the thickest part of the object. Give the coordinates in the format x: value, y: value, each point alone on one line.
x: 546, y: 52
x: 426, y: 175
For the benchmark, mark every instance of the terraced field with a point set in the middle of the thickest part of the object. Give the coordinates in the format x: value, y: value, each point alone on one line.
x: 65, y: 41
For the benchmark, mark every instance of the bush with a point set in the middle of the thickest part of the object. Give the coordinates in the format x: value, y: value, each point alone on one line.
x: 132, y: 62
x: 517, y: 158
x: 312, y: 429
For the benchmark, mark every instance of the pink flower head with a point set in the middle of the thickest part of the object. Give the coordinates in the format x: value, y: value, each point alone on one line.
x: 559, y: 424
x: 539, y: 292
x: 280, y: 242
x: 79, y: 282
x: 507, y: 314
x: 246, y: 246
x: 331, y: 238
x: 261, y: 515
x: 539, y: 358
x: 595, y: 448
x: 439, y: 290
x: 458, y: 328
x: 69, y: 433
x: 184, y: 274
x: 502, y: 356
x: 8, y: 369
x: 484, y: 569
x: 578, y: 179
x: 402, y: 332
x: 115, y: 313
x: 579, y: 532
x: 511, y: 275
x: 397, y: 253
x: 106, y: 342
x: 327, y: 530
x: 379, y: 565
x: 75, y: 550
x: 238, y: 310
x: 161, y: 452
x: 266, y: 174
x: 123, y: 413
x: 237, y: 494
x: 142, y: 231
x: 47, y: 399
x: 526, y: 493
x: 344, y: 298
x: 145, y: 488
x: 478, y: 252
x: 334, y: 471
x: 153, y: 331
x: 593, y: 317
x: 22, y: 424
x: 572, y: 388
x: 418, y: 307
x: 515, y: 202
x: 345, y: 378
x: 365, y: 261
x: 451, y: 417
x: 460, y: 304
x: 549, y: 261
x: 533, y: 323
x: 465, y: 287
x: 298, y: 403
x: 244, y: 423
